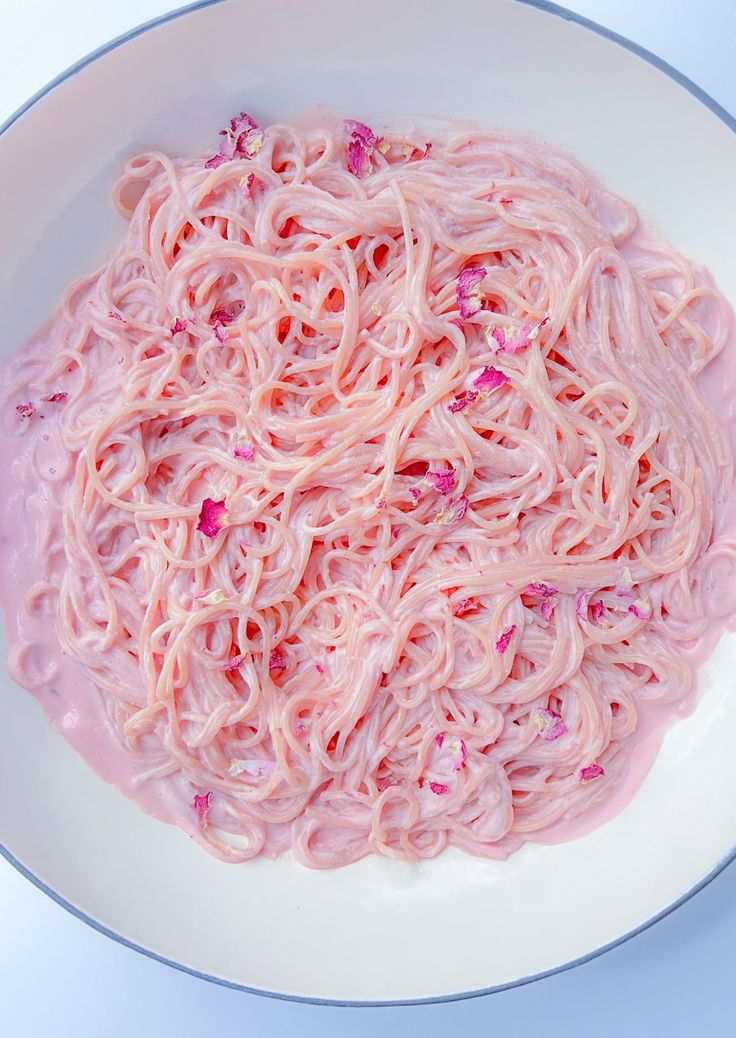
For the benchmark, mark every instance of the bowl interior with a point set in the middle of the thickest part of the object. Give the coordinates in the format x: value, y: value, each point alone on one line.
x: 378, y: 930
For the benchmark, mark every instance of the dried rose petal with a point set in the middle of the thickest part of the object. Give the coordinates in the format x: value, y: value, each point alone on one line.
x: 249, y: 143
x: 381, y: 504
x: 26, y: 410
x: 243, y: 545
x: 362, y: 133
x: 246, y: 185
x: 538, y: 590
x: 461, y: 752
x: 465, y: 605
x: 598, y: 613
x: 212, y: 517
x: 593, y: 771
x: 413, y: 153
x: 216, y: 160
x: 439, y: 788
x: 56, y: 398
x: 439, y: 738
x: 507, y: 342
x: 220, y: 333
x: 461, y: 507
x: 201, y: 805
x: 416, y: 494
x: 490, y: 378
x: 256, y: 767
x: 116, y: 317
x: 548, y: 607
x: 178, y: 326
x: 235, y: 663
x: 520, y: 341
x: 359, y: 160
x: 246, y: 135
x: 213, y: 597
x: 222, y: 315
x: 443, y: 480
x: 242, y: 139
x: 462, y: 401
x: 499, y: 337
x: 319, y: 668
x: 277, y: 660
x: 581, y: 606
x: 361, y: 143
x: 469, y: 299
x: 504, y: 641
x: 641, y: 608
x: 624, y: 584
x: 549, y: 724
x: 246, y: 451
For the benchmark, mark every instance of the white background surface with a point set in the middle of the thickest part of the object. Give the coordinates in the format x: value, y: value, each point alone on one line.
x: 59, y: 978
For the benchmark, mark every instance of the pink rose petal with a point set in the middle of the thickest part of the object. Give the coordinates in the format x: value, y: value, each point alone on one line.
x: 212, y: 597
x: 548, y: 607
x: 504, y: 641
x: 593, y: 771
x: 521, y: 340
x: 246, y: 185
x: 581, y: 606
x: 462, y: 401
x: 461, y: 508
x: 235, y: 663
x: 443, y: 480
x: 439, y: 788
x: 246, y: 451
x: 624, y: 584
x: 277, y: 660
x: 641, y: 608
x: 257, y: 767
x: 549, y: 724
x: 178, y: 326
x: 216, y: 160
x: 460, y: 755
x: 415, y: 494
x: 439, y: 738
x: 222, y: 315
x: 499, y: 337
x: 490, y: 378
x: 212, y: 517
x: 361, y: 142
x: 538, y: 590
x: 220, y: 333
x: 469, y: 299
x: 242, y: 139
x: 453, y: 511
x: 201, y: 805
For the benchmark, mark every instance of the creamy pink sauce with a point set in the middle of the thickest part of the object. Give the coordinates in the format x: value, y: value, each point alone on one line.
x: 44, y: 530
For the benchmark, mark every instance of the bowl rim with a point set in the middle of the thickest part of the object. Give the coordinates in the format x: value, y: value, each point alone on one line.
x: 724, y: 116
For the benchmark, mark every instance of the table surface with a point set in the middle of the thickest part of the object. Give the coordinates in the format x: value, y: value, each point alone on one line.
x: 61, y: 978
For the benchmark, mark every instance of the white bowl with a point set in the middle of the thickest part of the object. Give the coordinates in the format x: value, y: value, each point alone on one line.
x: 377, y: 931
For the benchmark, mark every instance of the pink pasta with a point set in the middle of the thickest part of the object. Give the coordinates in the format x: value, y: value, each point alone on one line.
x: 379, y: 508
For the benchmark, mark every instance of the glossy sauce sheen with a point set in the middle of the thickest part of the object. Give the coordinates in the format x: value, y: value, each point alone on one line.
x: 384, y: 538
